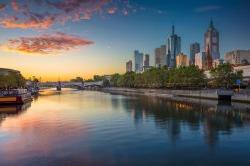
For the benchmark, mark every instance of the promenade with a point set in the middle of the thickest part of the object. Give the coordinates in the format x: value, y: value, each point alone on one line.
x: 242, y: 96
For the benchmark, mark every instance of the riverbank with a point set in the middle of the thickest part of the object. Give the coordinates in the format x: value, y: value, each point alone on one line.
x: 242, y: 96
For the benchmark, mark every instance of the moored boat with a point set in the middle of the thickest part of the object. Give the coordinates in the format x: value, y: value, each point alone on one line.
x: 15, y: 96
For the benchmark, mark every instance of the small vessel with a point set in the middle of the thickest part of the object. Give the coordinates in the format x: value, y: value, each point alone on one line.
x: 59, y: 86
x: 15, y: 96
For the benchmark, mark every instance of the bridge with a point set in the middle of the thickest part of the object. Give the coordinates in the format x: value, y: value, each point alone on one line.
x: 78, y: 85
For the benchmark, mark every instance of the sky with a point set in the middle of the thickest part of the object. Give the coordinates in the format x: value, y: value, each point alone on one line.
x: 63, y: 39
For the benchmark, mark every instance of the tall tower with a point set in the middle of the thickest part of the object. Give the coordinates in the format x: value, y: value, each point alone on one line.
x: 212, y: 48
x: 194, y: 49
x: 138, y: 61
x: 174, y: 48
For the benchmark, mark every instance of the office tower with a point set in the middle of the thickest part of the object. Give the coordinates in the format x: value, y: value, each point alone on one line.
x: 138, y: 61
x: 182, y: 60
x: 211, y: 45
x: 174, y: 48
x: 194, y: 49
x: 129, y: 66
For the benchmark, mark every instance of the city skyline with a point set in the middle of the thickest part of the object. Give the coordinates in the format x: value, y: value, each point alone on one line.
x: 93, y: 44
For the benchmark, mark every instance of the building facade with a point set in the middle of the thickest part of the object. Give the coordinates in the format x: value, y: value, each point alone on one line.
x: 146, y: 60
x: 182, y: 60
x: 200, y: 60
x: 217, y: 62
x: 212, y: 47
x: 161, y: 56
x: 174, y: 48
x: 129, y: 66
x: 158, y: 57
x: 138, y: 56
x: 238, y: 57
x: 194, y: 49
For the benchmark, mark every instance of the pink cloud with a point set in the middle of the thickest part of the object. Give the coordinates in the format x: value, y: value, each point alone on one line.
x: 30, y: 22
x: 46, y: 44
x: 112, y: 10
x: 24, y: 14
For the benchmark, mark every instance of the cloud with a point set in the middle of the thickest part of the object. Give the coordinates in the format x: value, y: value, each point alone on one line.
x: 42, y: 14
x: 45, y: 44
x: 15, y: 5
x: 32, y: 21
x: 2, y: 6
x: 207, y: 8
x: 112, y: 10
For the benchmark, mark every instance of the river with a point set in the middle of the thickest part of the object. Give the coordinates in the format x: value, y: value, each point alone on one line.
x: 95, y: 128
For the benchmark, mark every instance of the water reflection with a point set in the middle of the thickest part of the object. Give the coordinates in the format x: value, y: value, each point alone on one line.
x: 12, y: 110
x: 94, y: 128
x: 214, y: 117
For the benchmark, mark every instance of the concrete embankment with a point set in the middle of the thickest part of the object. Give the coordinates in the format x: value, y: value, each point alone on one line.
x: 243, y: 96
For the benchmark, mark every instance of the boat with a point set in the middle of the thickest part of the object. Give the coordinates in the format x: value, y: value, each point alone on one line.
x: 15, y: 96
x: 59, y: 86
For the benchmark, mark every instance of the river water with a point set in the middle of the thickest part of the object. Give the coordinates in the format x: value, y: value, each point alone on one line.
x: 95, y: 128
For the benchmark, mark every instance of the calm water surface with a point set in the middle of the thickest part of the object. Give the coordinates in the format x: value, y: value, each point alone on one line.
x: 96, y: 128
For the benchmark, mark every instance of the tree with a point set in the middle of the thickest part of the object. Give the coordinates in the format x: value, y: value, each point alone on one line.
x: 12, y: 80
x: 77, y: 79
x: 225, y: 76
x: 98, y: 78
x: 114, y: 79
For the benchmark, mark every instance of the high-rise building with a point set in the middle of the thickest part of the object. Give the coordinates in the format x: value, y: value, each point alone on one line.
x: 194, y: 49
x: 129, y: 66
x: 161, y: 56
x: 182, y: 60
x: 174, y: 48
x: 211, y: 45
x: 146, y: 60
x: 200, y: 60
x: 237, y: 57
x: 158, y: 57
x: 138, y: 61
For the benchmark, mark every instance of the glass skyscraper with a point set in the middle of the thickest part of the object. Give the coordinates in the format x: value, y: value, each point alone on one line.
x: 174, y: 48
x: 138, y: 61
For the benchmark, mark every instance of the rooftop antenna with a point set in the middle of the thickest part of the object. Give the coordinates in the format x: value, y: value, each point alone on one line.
x: 211, y: 23
x: 173, y: 28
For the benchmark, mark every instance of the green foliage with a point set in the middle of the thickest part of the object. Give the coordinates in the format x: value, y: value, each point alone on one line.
x: 225, y: 76
x: 12, y: 80
x: 77, y: 79
x: 190, y: 76
x: 98, y: 78
x: 161, y: 78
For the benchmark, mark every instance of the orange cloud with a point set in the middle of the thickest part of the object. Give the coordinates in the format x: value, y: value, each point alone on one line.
x: 45, y: 44
x: 31, y: 22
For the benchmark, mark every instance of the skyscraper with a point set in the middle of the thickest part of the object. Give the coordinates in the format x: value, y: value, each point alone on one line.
x: 174, y: 48
x: 158, y: 57
x: 129, y: 66
x: 182, y: 60
x: 161, y: 56
x: 200, y: 60
x: 146, y: 60
x: 138, y: 61
x: 194, y: 49
x: 211, y: 45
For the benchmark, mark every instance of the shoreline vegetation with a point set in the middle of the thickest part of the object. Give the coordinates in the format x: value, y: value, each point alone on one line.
x: 190, y: 77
